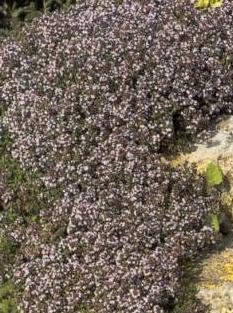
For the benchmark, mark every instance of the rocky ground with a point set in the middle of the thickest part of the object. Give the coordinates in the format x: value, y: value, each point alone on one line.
x: 215, y: 282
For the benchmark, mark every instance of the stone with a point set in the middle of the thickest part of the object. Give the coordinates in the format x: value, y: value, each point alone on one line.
x: 225, y: 223
x: 215, y: 282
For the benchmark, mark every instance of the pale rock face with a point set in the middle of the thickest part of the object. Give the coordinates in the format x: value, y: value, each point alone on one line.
x: 218, y: 148
x: 216, y: 279
x: 216, y: 282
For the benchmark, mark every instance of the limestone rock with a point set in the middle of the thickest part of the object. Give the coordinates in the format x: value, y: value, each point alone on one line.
x: 216, y: 279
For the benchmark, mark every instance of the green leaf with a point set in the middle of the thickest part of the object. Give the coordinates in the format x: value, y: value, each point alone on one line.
x: 214, y: 174
x: 60, y: 233
x: 215, y: 222
x: 202, y: 4
x: 216, y: 3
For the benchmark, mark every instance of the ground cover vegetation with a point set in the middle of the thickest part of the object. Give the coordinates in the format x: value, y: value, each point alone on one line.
x: 92, y: 217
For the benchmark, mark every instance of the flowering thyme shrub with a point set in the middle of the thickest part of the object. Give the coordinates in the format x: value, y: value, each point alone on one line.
x: 92, y: 96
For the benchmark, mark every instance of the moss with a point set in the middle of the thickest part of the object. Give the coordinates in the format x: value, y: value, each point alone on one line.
x: 7, y: 247
x: 8, y: 298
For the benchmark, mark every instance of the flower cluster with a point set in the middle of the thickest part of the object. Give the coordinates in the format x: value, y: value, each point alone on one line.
x: 93, y: 95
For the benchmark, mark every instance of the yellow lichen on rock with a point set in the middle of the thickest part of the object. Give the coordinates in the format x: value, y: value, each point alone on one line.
x: 217, y: 269
x: 201, y: 166
x: 228, y: 272
x: 216, y: 282
x: 209, y: 285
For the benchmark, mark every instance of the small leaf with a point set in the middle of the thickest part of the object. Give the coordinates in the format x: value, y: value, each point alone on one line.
x: 216, y: 3
x: 202, y: 4
x: 214, y: 174
x: 60, y: 233
x: 215, y: 222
